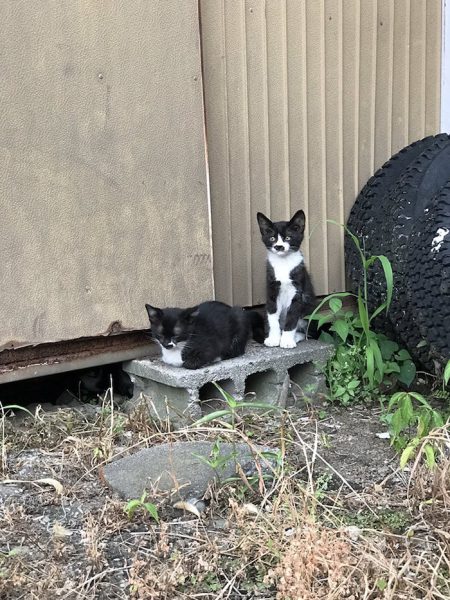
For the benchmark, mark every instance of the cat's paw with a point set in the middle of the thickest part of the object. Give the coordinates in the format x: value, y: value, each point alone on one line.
x: 300, y: 336
x: 287, y: 340
x: 272, y: 340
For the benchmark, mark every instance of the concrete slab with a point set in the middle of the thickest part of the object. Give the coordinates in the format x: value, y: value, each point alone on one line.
x: 177, y: 469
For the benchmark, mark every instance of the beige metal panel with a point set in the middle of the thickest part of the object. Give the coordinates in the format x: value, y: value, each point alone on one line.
x: 277, y: 109
x: 367, y: 83
x: 383, y: 87
x: 400, y: 80
x: 330, y: 91
x: 350, y: 101
x: 102, y: 159
x: 258, y: 130
x: 315, y: 203
x: 214, y: 47
x: 297, y: 113
x: 238, y: 158
x: 417, y: 70
x: 334, y: 140
x: 433, y: 48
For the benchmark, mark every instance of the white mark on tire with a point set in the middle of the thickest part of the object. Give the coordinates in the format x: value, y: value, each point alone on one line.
x: 438, y: 240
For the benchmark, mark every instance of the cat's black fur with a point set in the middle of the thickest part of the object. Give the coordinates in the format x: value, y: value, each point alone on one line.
x: 290, y: 293
x: 205, y: 333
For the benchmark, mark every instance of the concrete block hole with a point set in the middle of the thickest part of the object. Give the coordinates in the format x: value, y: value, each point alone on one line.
x: 210, y: 397
x: 266, y: 386
x: 307, y: 383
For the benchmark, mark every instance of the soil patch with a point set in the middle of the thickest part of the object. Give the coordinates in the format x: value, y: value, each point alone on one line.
x: 64, y: 534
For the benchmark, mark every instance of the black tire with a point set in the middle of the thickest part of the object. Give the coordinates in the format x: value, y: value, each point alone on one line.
x: 427, y: 272
x: 368, y: 215
x: 423, y: 179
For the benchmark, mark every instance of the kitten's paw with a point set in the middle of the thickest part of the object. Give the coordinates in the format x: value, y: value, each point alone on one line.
x: 287, y: 340
x: 272, y: 341
x: 300, y: 336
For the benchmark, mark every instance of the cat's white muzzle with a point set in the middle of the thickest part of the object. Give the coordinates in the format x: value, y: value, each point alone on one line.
x: 280, y: 247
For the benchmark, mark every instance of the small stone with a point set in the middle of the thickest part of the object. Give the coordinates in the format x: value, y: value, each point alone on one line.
x: 8, y: 491
x: 353, y: 532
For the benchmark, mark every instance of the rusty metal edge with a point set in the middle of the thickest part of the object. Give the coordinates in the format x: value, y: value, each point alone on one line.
x: 49, y: 359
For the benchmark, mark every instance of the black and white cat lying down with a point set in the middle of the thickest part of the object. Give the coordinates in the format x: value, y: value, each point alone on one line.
x: 195, y: 337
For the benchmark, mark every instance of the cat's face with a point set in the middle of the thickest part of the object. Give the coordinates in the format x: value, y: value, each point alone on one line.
x: 166, y: 326
x: 282, y: 237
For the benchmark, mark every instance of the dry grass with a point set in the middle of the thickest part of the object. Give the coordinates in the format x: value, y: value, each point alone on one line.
x: 298, y: 536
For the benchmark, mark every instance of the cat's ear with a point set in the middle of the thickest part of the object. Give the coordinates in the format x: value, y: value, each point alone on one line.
x: 264, y: 223
x: 298, y: 221
x: 190, y: 314
x: 154, y: 314
x: 194, y: 314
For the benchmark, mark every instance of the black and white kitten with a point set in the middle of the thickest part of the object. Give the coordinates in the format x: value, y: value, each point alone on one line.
x: 290, y: 293
x: 197, y: 336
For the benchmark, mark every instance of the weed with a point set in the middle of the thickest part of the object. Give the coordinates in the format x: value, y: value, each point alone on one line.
x: 218, y: 462
x: 411, y: 418
x: 325, y: 440
x: 139, y: 503
x: 3, y: 411
x: 231, y: 412
x: 394, y: 521
x: 446, y: 377
x: 364, y: 360
x: 322, y: 484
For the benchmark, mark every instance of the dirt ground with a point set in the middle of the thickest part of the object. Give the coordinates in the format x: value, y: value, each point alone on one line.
x: 337, y: 520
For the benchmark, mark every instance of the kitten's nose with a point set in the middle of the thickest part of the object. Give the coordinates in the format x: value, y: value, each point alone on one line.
x: 279, y: 248
x: 170, y: 345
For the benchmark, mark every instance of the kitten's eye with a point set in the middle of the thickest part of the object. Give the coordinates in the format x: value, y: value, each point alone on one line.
x: 287, y: 238
x: 272, y: 239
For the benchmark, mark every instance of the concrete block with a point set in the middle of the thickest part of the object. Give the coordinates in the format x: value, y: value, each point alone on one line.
x: 178, y: 393
x: 164, y: 402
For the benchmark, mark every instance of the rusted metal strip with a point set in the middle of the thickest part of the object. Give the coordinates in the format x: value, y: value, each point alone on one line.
x: 45, y: 359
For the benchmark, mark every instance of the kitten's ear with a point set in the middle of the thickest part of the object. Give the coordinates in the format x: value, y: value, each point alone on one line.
x: 189, y: 314
x: 298, y: 220
x: 154, y: 314
x: 264, y: 223
x: 194, y: 314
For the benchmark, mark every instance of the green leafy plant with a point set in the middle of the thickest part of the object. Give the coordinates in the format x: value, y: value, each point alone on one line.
x: 4, y: 409
x: 139, y: 503
x: 446, y: 377
x: 411, y: 418
x: 364, y: 360
x: 219, y: 461
x: 233, y: 406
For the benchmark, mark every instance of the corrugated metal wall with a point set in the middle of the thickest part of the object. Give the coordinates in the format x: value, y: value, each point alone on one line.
x: 304, y: 100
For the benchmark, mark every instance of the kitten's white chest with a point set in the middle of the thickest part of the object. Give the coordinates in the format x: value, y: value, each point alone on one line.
x: 282, y: 267
x: 172, y: 356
